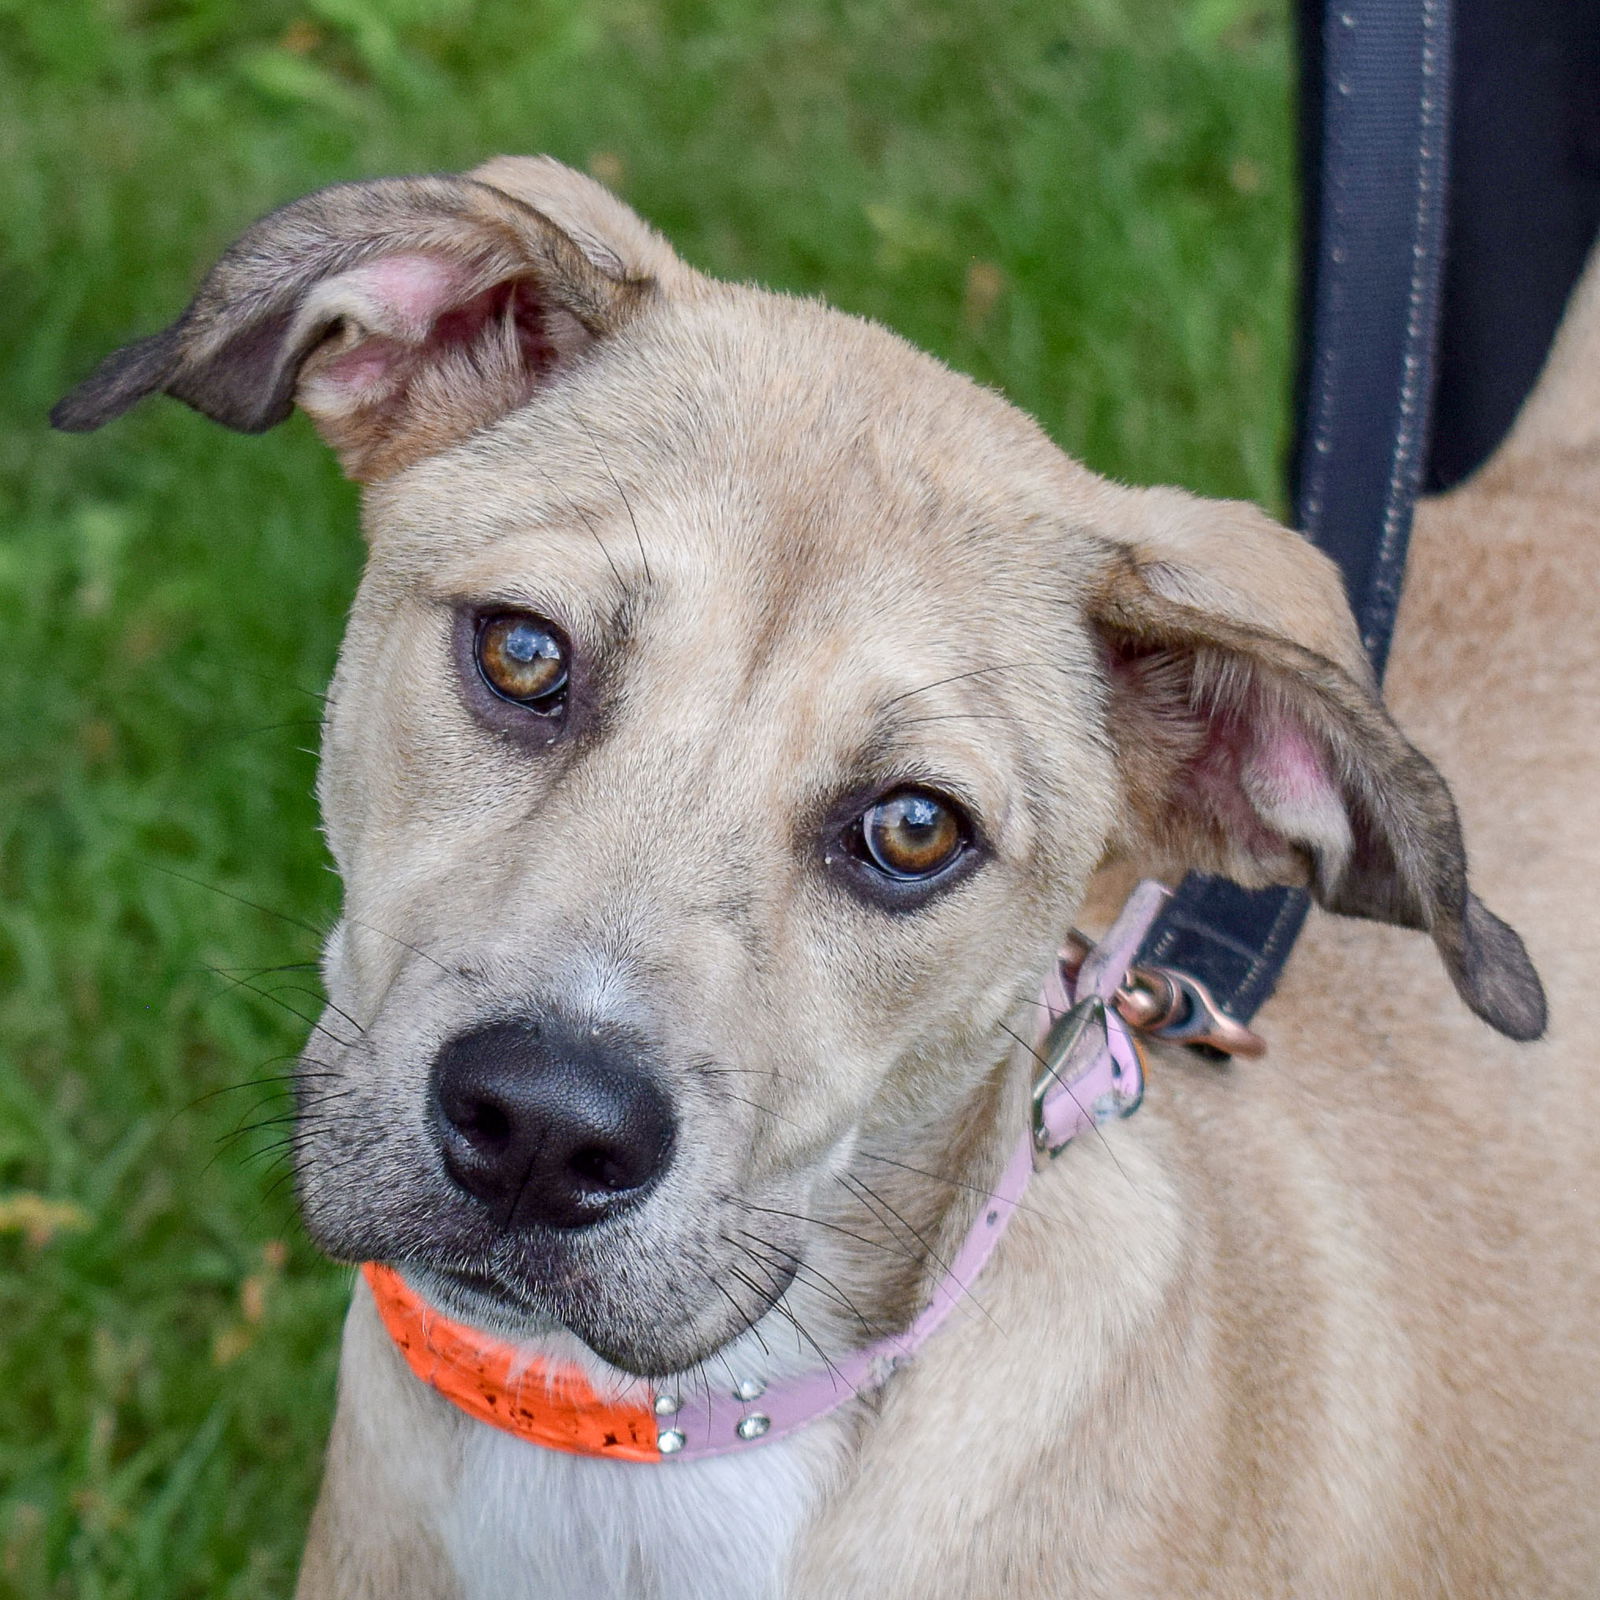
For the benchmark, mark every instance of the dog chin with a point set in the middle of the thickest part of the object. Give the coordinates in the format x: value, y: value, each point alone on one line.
x: 481, y: 1301
x: 612, y: 1363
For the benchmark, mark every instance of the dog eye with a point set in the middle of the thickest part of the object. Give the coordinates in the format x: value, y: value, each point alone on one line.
x: 912, y: 833
x: 523, y: 659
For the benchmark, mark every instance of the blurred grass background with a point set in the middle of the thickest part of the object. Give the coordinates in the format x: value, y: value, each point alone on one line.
x: 1087, y: 204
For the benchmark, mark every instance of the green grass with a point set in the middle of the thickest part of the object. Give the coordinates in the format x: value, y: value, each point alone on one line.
x: 1088, y: 205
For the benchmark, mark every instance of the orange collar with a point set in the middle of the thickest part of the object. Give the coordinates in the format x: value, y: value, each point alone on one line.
x: 491, y: 1380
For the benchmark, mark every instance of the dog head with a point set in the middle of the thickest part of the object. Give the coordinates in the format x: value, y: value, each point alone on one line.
x: 734, y: 709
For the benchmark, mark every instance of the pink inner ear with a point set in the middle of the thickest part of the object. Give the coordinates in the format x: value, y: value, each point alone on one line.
x: 1266, y: 777
x: 1239, y: 760
x: 1287, y: 778
x: 419, y: 350
x: 392, y: 308
x: 411, y: 312
x: 413, y: 289
x: 364, y: 369
x: 1283, y: 763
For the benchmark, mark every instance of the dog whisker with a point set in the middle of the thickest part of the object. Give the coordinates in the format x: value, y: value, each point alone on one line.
x: 955, y: 1183
x: 338, y: 1011
x: 712, y: 1069
x: 251, y: 983
x: 263, y: 1151
x: 1099, y: 1132
x: 894, y: 1248
x: 755, y: 1105
x: 303, y: 1119
x: 319, y: 934
x: 745, y: 1323
x: 594, y: 533
x: 405, y: 944
x: 228, y: 894
x: 976, y: 672
x: 311, y: 994
x: 705, y: 1383
x: 311, y: 1022
x: 622, y: 494
x: 281, y: 1078
x: 222, y: 739
x: 774, y: 1300
x: 279, y: 679
x: 824, y: 1284
x: 298, y: 1128
x: 273, y: 1188
x: 869, y: 1196
x: 232, y: 974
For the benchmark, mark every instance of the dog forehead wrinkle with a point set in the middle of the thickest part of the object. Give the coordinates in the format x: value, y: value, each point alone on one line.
x: 689, y: 734
x: 451, y: 540
x: 767, y: 391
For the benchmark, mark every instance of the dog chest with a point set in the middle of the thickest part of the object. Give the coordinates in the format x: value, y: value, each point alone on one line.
x: 533, y: 1524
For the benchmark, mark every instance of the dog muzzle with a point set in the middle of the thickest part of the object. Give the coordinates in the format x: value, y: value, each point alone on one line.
x: 1090, y: 1071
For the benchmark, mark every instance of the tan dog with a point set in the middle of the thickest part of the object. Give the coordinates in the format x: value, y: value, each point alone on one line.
x: 734, y: 714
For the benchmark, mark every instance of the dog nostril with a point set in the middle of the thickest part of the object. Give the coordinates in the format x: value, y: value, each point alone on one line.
x: 556, y: 1127
x: 484, y: 1125
x: 602, y: 1169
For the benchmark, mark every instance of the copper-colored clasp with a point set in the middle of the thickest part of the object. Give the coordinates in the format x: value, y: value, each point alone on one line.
x: 1171, y: 1005
x: 1162, y: 1003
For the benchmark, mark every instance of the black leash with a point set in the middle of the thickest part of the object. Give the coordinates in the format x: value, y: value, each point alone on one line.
x: 1376, y: 215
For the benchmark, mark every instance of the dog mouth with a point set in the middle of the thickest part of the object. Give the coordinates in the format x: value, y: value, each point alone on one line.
x: 481, y: 1299
x: 647, y: 1272
x: 628, y: 1329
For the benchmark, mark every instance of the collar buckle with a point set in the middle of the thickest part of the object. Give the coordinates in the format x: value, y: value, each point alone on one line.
x: 1075, y: 1039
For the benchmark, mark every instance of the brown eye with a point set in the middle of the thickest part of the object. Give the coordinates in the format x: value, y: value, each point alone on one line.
x: 523, y: 658
x: 912, y: 834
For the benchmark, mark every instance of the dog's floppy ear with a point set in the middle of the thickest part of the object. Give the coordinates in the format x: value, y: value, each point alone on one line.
x: 400, y: 314
x: 613, y: 235
x: 1252, y: 742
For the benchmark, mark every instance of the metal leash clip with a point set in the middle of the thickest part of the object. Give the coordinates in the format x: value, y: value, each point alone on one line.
x: 1162, y: 1003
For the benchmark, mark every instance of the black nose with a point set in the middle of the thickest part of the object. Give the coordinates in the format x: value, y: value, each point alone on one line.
x: 550, y: 1124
